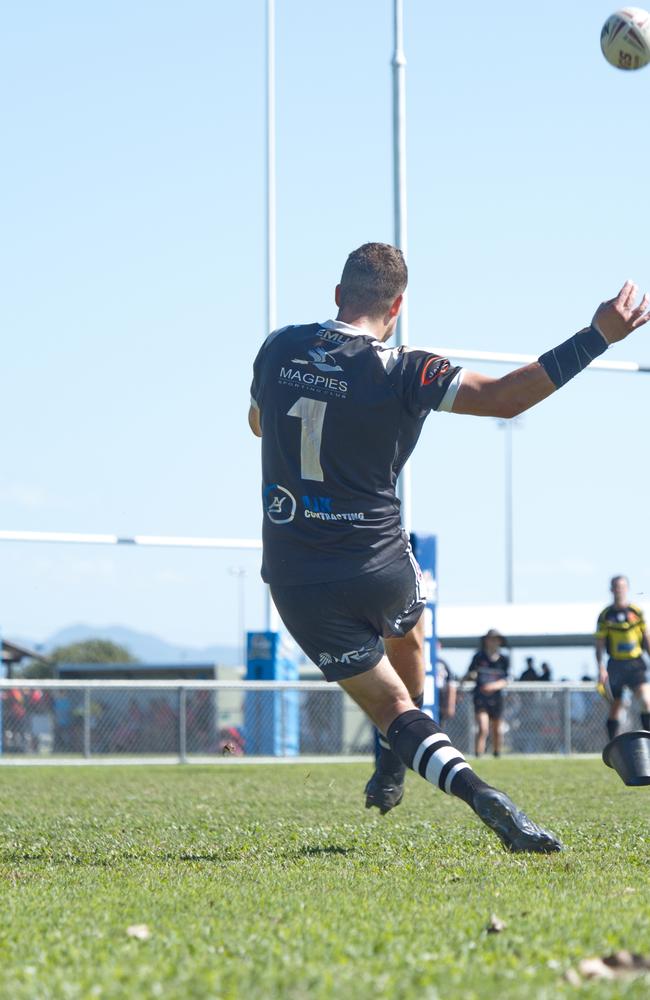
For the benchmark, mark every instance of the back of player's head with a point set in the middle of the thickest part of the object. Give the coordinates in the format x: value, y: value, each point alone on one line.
x: 373, y: 277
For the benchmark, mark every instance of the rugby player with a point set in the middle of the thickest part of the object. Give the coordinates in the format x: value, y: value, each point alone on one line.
x: 339, y: 412
x: 623, y: 633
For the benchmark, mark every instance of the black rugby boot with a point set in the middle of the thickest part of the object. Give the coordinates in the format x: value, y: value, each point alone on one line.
x: 514, y: 829
x: 385, y: 791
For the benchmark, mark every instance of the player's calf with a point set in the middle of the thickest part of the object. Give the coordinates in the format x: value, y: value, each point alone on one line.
x: 385, y: 790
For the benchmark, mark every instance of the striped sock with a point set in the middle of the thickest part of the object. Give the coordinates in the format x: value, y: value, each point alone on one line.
x: 385, y: 760
x: 422, y: 746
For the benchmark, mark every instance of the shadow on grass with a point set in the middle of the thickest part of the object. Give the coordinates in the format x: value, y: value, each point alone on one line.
x: 328, y: 849
x: 217, y: 857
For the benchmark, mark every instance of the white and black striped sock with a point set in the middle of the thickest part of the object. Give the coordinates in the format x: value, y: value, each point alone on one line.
x: 386, y: 760
x: 422, y: 746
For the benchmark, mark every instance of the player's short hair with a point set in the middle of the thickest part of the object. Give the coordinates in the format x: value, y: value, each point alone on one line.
x: 619, y: 576
x: 373, y: 277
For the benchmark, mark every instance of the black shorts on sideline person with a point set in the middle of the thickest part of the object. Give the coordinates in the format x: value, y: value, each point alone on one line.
x: 626, y: 673
x: 490, y: 703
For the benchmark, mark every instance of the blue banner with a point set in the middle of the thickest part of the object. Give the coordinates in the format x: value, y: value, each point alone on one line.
x: 271, y: 719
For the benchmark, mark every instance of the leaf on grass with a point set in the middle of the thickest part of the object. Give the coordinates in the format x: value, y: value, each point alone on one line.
x: 595, y: 968
x: 139, y: 931
x: 619, y: 965
x: 496, y: 925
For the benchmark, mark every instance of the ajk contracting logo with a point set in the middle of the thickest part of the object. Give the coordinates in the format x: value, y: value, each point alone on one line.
x: 279, y: 503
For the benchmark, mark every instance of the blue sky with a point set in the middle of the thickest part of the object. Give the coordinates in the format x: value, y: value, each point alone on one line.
x: 132, y: 186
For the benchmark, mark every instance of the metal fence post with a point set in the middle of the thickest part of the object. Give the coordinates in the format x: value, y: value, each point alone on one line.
x: 86, y: 722
x: 470, y: 726
x: 283, y: 725
x: 182, y: 725
x: 567, y: 719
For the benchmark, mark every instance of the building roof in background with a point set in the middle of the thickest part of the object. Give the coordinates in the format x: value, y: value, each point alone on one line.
x: 523, y: 625
x: 12, y: 652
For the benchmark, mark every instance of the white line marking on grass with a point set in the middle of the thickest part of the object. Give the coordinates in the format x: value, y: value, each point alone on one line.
x: 6, y: 761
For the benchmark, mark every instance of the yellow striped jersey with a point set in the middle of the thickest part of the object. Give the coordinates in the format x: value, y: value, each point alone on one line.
x: 623, y: 630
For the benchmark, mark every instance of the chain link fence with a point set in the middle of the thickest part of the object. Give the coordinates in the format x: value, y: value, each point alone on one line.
x: 211, y: 719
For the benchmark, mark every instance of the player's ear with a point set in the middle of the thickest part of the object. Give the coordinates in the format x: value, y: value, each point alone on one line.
x: 337, y: 295
x: 396, y: 306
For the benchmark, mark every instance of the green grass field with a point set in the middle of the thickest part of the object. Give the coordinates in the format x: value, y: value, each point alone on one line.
x: 273, y: 881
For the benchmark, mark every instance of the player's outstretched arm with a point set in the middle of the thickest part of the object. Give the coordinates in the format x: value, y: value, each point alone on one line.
x: 517, y: 391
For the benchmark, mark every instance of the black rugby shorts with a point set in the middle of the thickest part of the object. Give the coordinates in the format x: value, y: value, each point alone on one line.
x: 626, y: 673
x: 490, y: 703
x: 340, y: 625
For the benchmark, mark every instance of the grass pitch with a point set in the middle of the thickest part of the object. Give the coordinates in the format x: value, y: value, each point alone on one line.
x: 273, y: 881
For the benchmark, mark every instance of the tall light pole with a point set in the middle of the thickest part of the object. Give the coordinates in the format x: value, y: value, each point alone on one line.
x: 399, y: 202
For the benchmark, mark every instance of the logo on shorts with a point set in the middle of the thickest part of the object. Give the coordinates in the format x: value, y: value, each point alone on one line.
x: 434, y: 368
x: 279, y: 504
x: 352, y: 656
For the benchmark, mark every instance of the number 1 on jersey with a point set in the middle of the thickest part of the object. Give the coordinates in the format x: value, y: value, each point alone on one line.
x: 311, y: 413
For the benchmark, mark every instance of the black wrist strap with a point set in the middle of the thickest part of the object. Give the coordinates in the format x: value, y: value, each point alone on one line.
x: 565, y: 361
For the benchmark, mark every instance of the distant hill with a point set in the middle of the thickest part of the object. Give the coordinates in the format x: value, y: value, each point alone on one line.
x: 148, y: 648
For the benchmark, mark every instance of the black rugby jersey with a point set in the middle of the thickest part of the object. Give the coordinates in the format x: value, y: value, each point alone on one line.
x: 486, y: 671
x: 340, y: 414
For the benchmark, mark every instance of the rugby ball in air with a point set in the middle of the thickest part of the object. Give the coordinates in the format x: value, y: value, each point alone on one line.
x: 625, y: 38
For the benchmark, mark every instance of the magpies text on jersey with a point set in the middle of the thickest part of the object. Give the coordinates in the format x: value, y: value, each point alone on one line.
x: 320, y: 383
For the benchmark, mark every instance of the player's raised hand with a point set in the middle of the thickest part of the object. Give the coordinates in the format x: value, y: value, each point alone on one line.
x: 618, y: 317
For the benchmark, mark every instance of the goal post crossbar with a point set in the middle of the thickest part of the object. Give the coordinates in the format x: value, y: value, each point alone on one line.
x: 149, y: 541
x: 526, y: 359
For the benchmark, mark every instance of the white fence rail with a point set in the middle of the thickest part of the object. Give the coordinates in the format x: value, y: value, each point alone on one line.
x: 48, y: 720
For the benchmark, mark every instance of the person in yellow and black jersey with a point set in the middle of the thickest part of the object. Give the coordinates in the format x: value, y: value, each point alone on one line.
x: 622, y: 632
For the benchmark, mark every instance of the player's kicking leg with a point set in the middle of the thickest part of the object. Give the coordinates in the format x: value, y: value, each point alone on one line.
x: 421, y: 745
x: 385, y: 790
